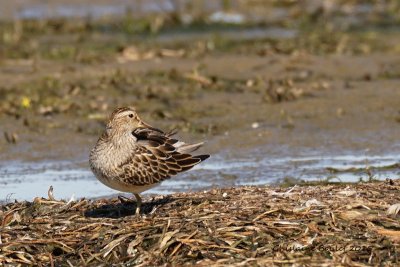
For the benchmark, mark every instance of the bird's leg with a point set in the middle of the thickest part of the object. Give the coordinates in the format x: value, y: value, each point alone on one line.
x: 138, y: 203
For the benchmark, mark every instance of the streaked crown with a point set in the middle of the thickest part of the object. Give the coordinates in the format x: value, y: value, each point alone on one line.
x: 120, y: 112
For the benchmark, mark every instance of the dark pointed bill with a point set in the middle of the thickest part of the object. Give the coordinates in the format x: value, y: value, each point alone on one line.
x: 147, y: 126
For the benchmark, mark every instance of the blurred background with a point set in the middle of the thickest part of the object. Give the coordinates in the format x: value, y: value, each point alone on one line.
x: 283, y: 92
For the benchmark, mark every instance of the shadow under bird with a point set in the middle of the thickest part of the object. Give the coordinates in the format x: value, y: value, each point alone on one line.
x: 132, y: 156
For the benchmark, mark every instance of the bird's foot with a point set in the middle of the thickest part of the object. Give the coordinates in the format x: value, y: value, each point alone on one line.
x: 138, y: 204
x: 137, y: 212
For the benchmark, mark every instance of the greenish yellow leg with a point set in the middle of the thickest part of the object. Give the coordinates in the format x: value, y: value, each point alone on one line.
x: 138, y: 203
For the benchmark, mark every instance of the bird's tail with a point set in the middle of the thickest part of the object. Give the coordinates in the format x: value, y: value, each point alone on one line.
x: 184, y: 148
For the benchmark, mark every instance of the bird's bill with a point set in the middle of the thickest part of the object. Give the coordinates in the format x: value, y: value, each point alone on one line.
x: 142, y: 124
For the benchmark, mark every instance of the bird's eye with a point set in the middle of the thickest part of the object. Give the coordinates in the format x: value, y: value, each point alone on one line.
x: 130, y: 115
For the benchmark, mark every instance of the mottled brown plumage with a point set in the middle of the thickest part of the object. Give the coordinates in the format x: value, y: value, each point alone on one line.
x: 132, y: 156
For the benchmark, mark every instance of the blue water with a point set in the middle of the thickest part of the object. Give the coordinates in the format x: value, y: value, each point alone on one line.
x: 26, y: 180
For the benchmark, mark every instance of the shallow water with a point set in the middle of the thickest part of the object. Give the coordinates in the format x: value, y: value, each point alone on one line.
x: 26, y: 180
x: 43, y: 9
x: 101, y: 9
x: 40, y: 11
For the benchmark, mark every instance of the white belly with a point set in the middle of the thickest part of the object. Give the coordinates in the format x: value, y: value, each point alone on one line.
x: 123, y: 187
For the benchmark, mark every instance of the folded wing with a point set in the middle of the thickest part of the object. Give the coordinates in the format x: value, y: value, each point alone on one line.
x: 158, y: 157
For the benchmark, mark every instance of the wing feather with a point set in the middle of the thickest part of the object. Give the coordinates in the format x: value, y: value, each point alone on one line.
x: 157, y: 157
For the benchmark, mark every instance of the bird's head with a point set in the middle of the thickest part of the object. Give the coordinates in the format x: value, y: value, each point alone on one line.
x: 125, y: 120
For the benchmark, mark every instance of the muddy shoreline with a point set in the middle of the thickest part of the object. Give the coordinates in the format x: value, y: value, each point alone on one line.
x: 339, y: 116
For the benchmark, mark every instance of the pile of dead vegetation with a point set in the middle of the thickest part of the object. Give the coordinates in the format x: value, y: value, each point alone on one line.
x: 329, y: 225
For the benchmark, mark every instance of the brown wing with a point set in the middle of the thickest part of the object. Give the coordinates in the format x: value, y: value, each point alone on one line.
x: 156, y: 159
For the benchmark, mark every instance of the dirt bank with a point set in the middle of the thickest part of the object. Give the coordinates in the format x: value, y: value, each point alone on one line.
x: 343, y: 102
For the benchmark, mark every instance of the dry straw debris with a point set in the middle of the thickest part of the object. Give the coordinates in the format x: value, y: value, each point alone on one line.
x: 245, y: 226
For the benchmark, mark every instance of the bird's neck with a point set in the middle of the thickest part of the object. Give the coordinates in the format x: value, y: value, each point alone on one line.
x: 121, y: 140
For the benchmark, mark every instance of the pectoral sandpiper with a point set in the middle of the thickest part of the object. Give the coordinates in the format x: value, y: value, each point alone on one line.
x: 132, y: 156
